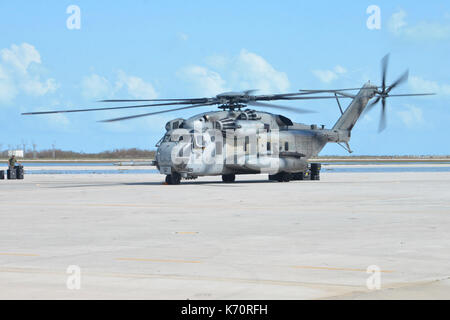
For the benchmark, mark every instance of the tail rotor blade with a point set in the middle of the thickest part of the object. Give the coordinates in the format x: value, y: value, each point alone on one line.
x: 371, y: 105
x: 401, y: 79
x: 384, y: 66
x: 382, y: 124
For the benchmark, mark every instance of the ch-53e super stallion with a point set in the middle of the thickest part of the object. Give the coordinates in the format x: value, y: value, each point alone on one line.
x: 239, y: 140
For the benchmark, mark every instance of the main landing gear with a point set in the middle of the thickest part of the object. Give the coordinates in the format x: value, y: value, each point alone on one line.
x: 228, y: 178
x: 313, y: 173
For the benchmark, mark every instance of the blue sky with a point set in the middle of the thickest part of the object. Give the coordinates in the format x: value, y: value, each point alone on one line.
x: 148, y: 49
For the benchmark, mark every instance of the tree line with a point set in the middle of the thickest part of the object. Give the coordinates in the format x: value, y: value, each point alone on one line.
x: 133, y: 153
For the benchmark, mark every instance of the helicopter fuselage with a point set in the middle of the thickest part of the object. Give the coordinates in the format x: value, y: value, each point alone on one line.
x: 240, y: 142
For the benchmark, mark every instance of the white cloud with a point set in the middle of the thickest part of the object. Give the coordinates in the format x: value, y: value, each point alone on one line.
x: 412, y: 115
x: 17, y: 74
x: 252, y: 71
x: 135, y: 86
x: 204, y: 81
x: 419, y: 84
x: 424, y: 30
x: 328, y: 76
x: 95, y: 86
x: 183, y: 36
x: 218, y: 61
x: 242, y: 72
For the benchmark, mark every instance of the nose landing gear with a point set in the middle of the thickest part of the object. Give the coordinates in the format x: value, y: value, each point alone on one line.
x: 174, y: 178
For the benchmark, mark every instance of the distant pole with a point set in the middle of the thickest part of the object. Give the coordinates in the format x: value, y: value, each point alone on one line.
x: 53, y: 151
x: 34, y: 150
x: 24, y: 145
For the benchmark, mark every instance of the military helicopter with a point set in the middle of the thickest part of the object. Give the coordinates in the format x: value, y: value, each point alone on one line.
x: 239, y: 140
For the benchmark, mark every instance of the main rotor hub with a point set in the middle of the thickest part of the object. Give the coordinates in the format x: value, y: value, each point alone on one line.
x: 232, y: 106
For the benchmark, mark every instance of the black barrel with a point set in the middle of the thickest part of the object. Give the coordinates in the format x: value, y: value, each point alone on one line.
x: 11, y: 174
x: 2, y: 174
x: 315, y: 171
x: 315, y: 167
x: 19, y: 172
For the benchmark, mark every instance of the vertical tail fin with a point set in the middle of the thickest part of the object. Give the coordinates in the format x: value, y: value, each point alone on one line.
x: 356, y: 107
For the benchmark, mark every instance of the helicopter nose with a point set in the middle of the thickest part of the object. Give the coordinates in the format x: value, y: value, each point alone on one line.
x: 165, y: 152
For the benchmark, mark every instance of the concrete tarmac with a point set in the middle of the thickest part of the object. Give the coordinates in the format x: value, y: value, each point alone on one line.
x: 132, y: 237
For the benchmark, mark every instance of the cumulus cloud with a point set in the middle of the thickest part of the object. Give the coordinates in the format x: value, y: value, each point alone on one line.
x: 95, y: 86
x: 245, y: 71
x: 204, y: 81
x: 254, y: 72
x: 419, y: 84
x: 411, y: 115
x: 135, y: 86
x: 183, y: 36
x: 18, y: 73
x: 423, y: 30
x: 327, y: 76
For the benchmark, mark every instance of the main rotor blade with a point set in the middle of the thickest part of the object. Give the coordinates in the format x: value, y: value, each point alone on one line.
x: 107, y: 108
x: 274, y: 106
x: 331, y: 90
x: 411, y: 94
x: 194, y: 100
x: 401, y: 79
x: 314, y: 98
x: 157, y: 112
x: 384, y: 66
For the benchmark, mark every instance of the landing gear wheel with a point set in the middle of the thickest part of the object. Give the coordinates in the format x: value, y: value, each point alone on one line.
x: 287, y: 177
x: 174, y: 178
x: 298, y: 176
x: 281, y: 177
x: 228, y: 178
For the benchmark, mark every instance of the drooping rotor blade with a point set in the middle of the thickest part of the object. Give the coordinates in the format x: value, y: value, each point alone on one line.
x: 106, y: 108
x: 274, y: 106
x: 157, y: 112
x: 194, y: 100
x: 384, y: 66
x: 314, y: 98
x: 307, y: 91
x: 278, y: 96
x: 401, y: 79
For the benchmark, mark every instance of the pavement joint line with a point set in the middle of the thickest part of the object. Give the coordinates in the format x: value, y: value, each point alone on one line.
x: 66, y: 204
x: 18, y: 254
x: 185, y: 278
x: 157, y: 260
x: 337, y: 269
x: 186, y: 232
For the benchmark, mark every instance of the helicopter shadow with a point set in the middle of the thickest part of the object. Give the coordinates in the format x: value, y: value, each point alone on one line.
x: 211, y: 183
